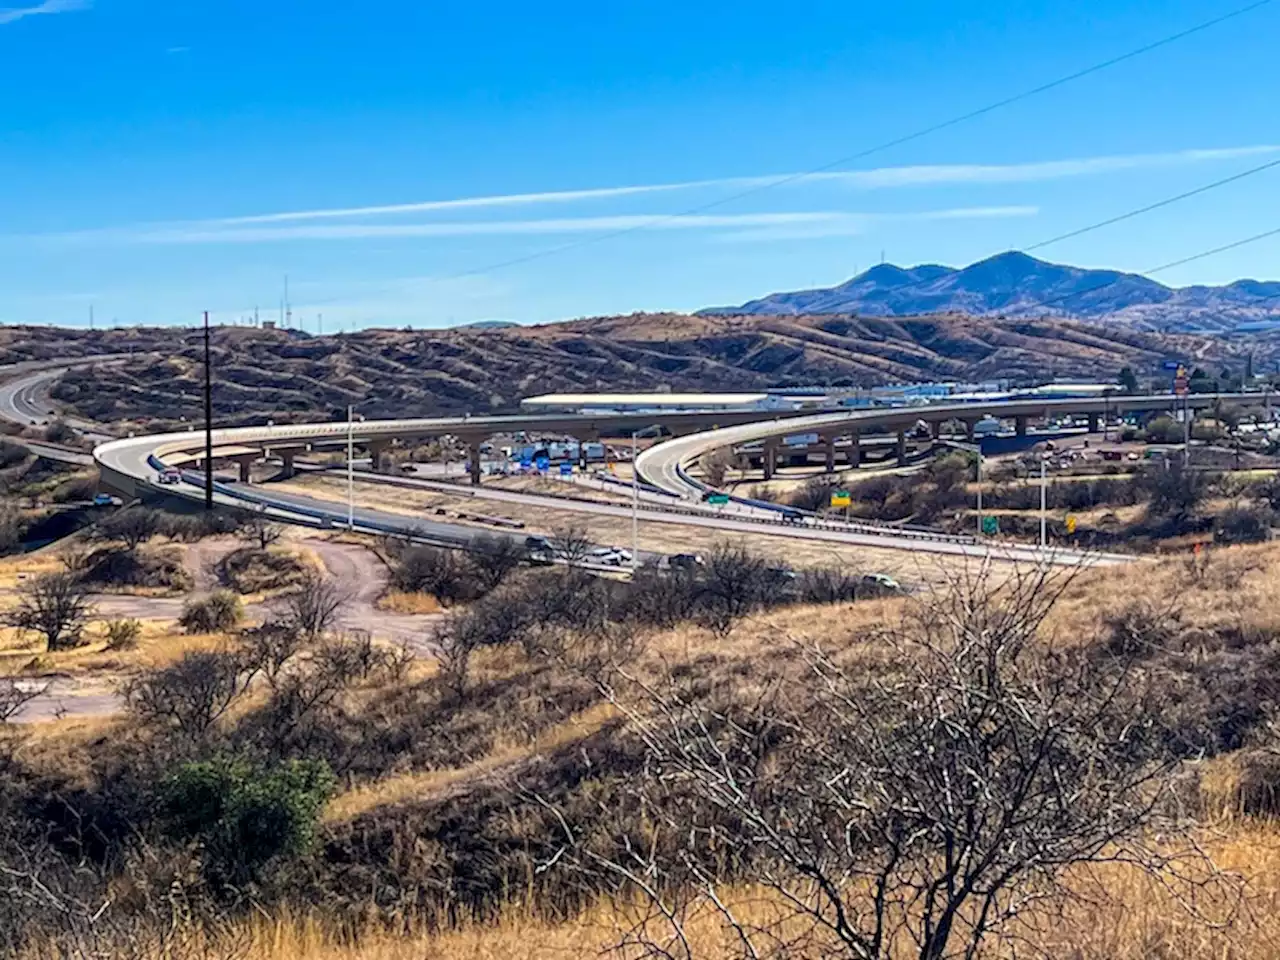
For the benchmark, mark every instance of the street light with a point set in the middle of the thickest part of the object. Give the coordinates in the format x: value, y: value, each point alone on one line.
x: 351, y: 467
x: 1044, y: 501
x: 635, y: 503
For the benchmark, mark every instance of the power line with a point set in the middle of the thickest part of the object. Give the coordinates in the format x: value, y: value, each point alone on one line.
x: 899, y: 141
x: 880, y: 147
x: 1204, y: 254
x: 1154, y: 206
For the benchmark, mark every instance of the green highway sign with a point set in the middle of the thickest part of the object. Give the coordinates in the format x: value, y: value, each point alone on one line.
x: 718, y: 499
x: 841, y: 498
x: 990, y: 526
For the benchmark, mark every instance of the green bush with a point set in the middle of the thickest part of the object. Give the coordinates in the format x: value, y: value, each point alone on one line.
x: 219, y: 611
x: 244, y: 815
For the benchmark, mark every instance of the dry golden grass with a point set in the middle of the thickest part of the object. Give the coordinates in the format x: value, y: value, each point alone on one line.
x: 1122, y: 914
x: 398, y: 601
x: 659, y: 537
x: 503, y: 759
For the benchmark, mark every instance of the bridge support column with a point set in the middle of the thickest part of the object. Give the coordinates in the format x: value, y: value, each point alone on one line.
x: 286, y: 465
x: 1020, y: 426
x: 829, y: 450
x: 935, y: 429
x: 968, y: 429
x: 246, y: 463
x: 855, y: 450
x: 770, y: 460
x: 473, y: 460
x: 377, y: 455
x: 1094, y: 423
x: 902, y: 448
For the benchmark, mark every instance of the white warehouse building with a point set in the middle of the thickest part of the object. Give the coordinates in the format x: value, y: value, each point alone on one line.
x: 605, y: 403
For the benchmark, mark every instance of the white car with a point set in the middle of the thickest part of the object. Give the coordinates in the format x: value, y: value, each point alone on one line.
x: 610, y: 556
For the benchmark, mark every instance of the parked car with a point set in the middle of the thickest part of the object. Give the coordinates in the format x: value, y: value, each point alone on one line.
x: 106, y: 500
x: 881, y: 581
x: 610, y: 556
x: 684, y: 561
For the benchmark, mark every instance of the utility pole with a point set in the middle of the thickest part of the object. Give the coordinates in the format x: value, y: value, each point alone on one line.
x: 91, y: 316
x: 288, y: 307
x: 208, y: 419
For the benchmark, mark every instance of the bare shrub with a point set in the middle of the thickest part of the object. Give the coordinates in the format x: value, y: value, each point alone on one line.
x: 271, y: 646
x: 191, y: 695
x: 55, y: 606
x: 445, y: 574
x: 116, y: 566
x: 315, y: 606
x: 572, y: 543
x: 216, y: 613
x: 494, y: 558
x: 926, y: 802
x: 715, y: 465
x: 123, y: 634
x: 736, y: 582
x: 16, y: 694
x: 829, y: 585
x: 252, y: 569
x: 132, y: 526
x: 259, y: 530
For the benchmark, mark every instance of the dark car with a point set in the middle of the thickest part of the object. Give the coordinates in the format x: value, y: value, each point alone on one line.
x: 684, y: 561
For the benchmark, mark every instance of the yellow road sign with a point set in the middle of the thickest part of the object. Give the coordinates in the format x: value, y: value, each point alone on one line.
x: 1071, y: 524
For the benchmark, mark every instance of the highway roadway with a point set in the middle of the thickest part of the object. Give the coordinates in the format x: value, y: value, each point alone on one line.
x: 666, y: 465
x: 127, y: 465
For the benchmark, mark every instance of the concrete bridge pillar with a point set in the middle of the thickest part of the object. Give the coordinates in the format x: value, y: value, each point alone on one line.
x: 829, y: 450
x: 770, y: 461
x: 246, y: 463
x: 935, y: 429
x: 1094, y: 423
x: 902, y: 448
x: 855, y: 450
x: 968, y: 429
x: 1020, y: 426
x: 473, y: 458
x: 286, y: 465
x: 377, y: 455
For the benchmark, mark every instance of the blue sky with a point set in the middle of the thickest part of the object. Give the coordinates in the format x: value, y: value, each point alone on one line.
x: 436, y: 163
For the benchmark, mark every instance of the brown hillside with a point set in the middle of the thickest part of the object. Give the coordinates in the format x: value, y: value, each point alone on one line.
x: 422, y: 372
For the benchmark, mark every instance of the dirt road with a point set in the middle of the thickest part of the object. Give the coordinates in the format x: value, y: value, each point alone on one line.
x: 356, y: 571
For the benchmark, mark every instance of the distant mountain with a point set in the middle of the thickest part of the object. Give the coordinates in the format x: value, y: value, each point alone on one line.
x: 1017, y: 285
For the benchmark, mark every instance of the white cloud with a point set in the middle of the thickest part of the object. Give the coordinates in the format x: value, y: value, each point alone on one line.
x: 48, y: 7
x: 881, y: 178
x: 367, y: 231
x: 857, y: 225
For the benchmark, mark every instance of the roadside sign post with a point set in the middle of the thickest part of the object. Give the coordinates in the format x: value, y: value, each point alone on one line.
x: 842, y: 498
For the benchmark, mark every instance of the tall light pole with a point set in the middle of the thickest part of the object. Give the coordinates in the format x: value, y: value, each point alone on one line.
x: 635, y: 503
x: 979, y: 489
x: 1044, y: 502
x: 208, y: 419
x: 351, y: 467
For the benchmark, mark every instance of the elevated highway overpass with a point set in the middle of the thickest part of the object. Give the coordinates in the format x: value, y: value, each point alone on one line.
x: 130, y: 466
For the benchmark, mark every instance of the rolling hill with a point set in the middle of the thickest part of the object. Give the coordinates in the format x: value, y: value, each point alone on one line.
x: 1017, y: 285
x: 289, y: 375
